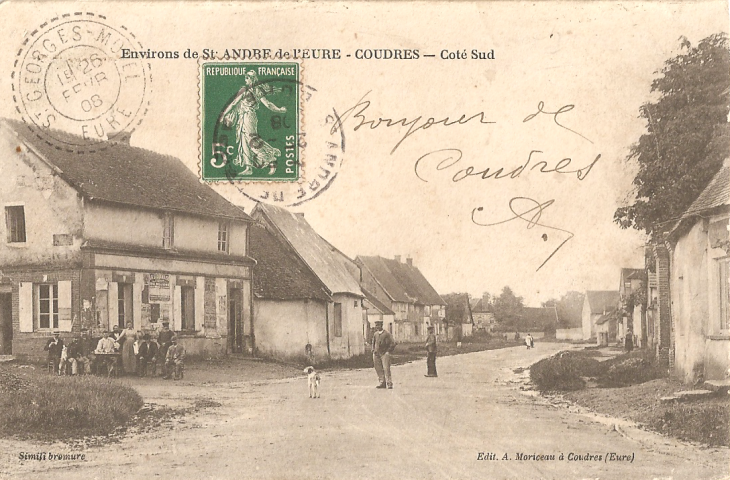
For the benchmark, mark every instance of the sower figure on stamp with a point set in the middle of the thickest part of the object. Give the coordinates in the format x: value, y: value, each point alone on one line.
x: 241, y: 113
x: 383, y: 345
x: 431, y: 353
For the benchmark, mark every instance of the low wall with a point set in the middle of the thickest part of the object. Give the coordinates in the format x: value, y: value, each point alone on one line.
x: 569, y: 334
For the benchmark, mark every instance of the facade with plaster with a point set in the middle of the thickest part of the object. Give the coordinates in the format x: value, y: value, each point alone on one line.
x: 699, y: 281
x: 113, y: 236
x: 322, y: 312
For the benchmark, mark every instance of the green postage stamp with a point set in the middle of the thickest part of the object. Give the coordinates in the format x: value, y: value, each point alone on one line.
x: 250, y: 121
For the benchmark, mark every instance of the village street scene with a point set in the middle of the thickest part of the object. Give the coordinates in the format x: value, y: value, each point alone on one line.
x: 295, y: 270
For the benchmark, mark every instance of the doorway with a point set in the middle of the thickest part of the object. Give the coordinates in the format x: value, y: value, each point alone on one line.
x: 6, y: 323
x: 235, y: 320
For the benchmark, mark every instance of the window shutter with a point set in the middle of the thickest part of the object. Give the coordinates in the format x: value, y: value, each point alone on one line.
x: 221, y: 300
x: 113, y: 305
x: 177, y: 309
x: 199, y: 303
x: 64, y: 306
x: 25, y: 306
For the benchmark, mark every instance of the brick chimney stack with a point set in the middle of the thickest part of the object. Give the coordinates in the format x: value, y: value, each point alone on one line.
x: 397, y: 258
x: 409, y: 261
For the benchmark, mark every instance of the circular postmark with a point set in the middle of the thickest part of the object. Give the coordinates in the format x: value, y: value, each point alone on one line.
x: 257, y: 133
x: 79, y: 75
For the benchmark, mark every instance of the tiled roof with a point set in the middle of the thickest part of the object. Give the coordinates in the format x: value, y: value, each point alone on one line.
x: 279, y: 273
x: 402, y: 282
x: 120, y: 173
x: 629, y: 273
x: 311, y: 248
x: 603, y: 319
x: 377, y: 303
x: 601, y: 301
x: 716, y: 194
x: 379, y: 269
x: 481, y: 307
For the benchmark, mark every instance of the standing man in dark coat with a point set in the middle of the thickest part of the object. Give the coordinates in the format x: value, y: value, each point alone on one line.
x: 431, y: 353
x: 164, y: 338
x: 383, y: 345
x: 54, y: 347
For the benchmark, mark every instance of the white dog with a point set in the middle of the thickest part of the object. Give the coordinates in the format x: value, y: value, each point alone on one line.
x: 312, y: 381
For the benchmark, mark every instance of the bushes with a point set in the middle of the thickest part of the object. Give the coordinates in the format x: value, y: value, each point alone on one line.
x: 564, y: 370
x: 63, y: 407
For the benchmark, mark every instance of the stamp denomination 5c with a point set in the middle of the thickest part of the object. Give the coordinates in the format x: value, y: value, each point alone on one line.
x: 250, y: 121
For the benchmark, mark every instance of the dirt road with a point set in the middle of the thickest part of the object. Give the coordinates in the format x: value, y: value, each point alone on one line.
x: 471, y: 422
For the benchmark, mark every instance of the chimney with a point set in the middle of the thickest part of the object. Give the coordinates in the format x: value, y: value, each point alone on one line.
x: 397, y: 258
x: 409, y: 261
x: 299, y: 214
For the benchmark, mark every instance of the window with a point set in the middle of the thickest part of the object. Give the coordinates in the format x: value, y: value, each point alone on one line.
x: 47, y: 306
x: 724, y: 294
x: 338, y: 320
x: 187, y: 310
x: 124, y: 304
x: 223, y: 237
x: 168, y: 231
x: 15, y: 222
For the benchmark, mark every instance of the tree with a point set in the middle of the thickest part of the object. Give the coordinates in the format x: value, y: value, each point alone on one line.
x: 687, y: 135
x: 569, y: 307
x: 457, y: 308
x: 508, y: 307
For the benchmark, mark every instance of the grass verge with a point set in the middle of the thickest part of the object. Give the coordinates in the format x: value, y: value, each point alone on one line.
x: 50, y: 408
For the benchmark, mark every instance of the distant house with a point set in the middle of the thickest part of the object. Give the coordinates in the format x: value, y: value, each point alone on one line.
x: 112, y: 236
x: 403, y: 288
x: 337, y: 326
x: 377, y: 311
x: 458, y: 316
x: 483, y: 315
x: 599, y: 308
x: 699, y: 284
x: 630, y: 286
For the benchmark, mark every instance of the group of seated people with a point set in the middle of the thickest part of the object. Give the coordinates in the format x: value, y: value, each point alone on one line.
x: 85, y: 355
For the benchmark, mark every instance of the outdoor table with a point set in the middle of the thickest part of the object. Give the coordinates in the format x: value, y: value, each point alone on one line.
x: 111, y: 361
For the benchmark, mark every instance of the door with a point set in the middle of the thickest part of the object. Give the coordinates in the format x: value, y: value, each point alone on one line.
x: 6, y: 323
x: 235, y: 320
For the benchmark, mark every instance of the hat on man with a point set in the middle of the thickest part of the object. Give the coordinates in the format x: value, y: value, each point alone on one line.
x: 57, y: 332
x: 430, y: 327
x: 166, y: 322
x: 378, y: 322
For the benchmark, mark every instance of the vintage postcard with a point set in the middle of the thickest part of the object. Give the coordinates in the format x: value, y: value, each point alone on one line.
x: 394, y: 239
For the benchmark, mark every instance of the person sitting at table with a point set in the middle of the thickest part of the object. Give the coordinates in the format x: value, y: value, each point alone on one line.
x: 106, y: 344
x: 79, y: 352
x: 175, y: 361
x: 147, y: 355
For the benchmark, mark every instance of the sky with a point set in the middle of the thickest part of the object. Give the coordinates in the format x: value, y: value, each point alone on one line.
x: 395, y: 193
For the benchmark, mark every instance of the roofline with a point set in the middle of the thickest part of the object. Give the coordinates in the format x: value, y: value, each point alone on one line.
x: 680, y: 228
x: 248, y: 220
x: 281, y: 235
x: 81, y: 191
x: 378, y: 281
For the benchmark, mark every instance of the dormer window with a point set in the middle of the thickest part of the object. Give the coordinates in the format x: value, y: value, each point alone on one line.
x: 168, y: 231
